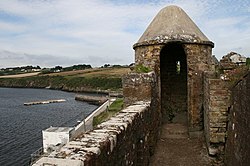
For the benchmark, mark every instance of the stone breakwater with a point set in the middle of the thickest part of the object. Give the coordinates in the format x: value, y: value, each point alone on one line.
x: 125, y: 139
x: 97, y: 100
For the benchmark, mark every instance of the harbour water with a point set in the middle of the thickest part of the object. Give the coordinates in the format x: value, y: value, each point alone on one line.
x: 21, y: 126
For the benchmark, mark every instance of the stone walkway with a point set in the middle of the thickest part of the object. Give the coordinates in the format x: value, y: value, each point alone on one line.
x: 175, y: 148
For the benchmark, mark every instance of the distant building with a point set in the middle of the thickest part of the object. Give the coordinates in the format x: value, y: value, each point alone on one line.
x: 238, y: 59
x: 36, y: 69
x: 232, y: 59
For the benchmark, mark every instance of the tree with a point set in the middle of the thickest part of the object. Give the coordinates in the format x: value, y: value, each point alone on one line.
x: 248, y: 62
x: 106, y: 65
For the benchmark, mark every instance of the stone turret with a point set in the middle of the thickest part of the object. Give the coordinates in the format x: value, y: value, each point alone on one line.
x: 178, y: 53
x: 172, y: 24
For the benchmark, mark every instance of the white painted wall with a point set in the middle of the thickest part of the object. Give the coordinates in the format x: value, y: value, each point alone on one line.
x: 87, y: 124
x: 236, y: 58
x: 54, y: 136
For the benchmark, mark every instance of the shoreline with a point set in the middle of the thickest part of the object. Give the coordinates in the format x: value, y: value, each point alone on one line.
x: 61, y: 89
x: 113, y: 93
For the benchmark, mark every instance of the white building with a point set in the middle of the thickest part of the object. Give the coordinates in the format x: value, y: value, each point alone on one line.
x: 238, y: 59
x: 55, y: 137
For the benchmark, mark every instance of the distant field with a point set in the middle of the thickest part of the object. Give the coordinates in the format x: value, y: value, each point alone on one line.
x: 89, y: 80
x: 95, y: 72
x: 20, y: 75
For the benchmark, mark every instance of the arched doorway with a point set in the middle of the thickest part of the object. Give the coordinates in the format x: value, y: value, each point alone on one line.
x: 173, y: 73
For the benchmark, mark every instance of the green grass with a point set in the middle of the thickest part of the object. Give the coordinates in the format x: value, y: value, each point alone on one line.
x: 57, y: 82
x: 142, y: 69
x: 115, y: 107
x: 248, y: 62
x: 89, y: 79
x: 4, y: 73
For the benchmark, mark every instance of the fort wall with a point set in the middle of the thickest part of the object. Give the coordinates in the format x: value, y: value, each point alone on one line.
x: 237, y: 144
x: 126, y: 139
x: 216, y: 104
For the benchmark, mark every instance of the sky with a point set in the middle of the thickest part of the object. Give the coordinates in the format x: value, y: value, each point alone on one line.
x: 66, y: 32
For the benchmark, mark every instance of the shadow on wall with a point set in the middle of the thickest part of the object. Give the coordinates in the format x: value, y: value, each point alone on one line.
x: 237, y: 145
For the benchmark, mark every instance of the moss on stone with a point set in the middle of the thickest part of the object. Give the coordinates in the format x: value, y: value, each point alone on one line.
x: 142, y: 69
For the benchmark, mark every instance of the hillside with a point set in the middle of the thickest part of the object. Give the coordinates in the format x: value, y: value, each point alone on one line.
x: 94, y: 72
x: 20, y: 75
x: 88, y: 80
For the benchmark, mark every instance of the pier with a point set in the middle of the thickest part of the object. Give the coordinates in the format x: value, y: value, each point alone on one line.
x: 44, y: 102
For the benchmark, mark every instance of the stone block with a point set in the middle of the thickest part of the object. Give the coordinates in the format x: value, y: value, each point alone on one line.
x: 217, y: 137
x: 213, y: 129
x: 217, y: 124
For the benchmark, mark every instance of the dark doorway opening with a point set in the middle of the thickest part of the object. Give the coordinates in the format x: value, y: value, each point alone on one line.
x: 173, y: 73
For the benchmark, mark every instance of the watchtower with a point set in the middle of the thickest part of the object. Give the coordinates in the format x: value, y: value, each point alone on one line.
x: 178, y: 52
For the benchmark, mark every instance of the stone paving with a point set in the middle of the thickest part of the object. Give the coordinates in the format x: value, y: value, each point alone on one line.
x: 175, y: 148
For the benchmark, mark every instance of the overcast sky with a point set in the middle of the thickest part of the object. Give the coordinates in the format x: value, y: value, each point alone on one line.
x: 66, y: 32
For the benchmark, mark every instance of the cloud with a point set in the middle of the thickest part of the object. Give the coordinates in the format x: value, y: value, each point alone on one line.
x: 229, y: 34
x: 13, y: 27
x: 80, y: 30
x: 13, y: 59
x: 103, y: 31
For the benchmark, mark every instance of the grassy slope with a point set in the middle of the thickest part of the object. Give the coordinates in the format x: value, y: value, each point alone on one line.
x: 20, y: 75
x: 95, y: 72
x: 81, y: 80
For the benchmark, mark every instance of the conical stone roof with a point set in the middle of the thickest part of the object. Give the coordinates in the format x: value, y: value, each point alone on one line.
x: 172, y: 24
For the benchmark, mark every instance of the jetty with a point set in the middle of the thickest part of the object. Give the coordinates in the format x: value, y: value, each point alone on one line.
x: 44, y: 102
x: 96, y: 100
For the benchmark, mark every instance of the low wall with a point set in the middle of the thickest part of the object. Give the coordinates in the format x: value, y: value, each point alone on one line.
x: 216, y: 104
x: 126, y: 139
x: 87, y: 123
x: 61, y: 135
x: 237, y: 145
x: 138, y: 87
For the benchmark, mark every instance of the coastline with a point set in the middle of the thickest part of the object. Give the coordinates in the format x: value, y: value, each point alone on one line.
x: 111, y: 86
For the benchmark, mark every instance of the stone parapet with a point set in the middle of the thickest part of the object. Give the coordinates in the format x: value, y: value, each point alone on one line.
x: 198, y: 60
x: 237, y: 144
x: 125, y: 139
x: 138, y: 87
x: 216, y: 104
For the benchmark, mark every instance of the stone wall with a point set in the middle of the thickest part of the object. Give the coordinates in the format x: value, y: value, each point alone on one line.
x: 138, y: 87
x: 149, y: 56
x: 199, y: 59
x: 173, y: 75
x: 237, y: 144
x: 126, y: 139
x: 216, y: 104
